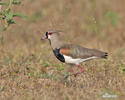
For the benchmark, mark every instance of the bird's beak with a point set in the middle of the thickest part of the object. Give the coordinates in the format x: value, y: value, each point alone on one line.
x: 44, y: 37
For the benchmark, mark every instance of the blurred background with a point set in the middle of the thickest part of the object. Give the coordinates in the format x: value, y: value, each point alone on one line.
x: 28, y: 68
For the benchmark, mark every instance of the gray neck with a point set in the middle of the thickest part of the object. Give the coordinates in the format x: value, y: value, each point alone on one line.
x: 55, y: 43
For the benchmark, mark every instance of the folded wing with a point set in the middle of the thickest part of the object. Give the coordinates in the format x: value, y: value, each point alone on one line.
x: 77, y: 51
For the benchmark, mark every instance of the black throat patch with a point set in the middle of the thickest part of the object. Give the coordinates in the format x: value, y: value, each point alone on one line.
x: 58, y: 55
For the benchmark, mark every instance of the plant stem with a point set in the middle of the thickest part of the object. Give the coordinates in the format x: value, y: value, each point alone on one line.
x: 1, y: 34
x: 10, y: 5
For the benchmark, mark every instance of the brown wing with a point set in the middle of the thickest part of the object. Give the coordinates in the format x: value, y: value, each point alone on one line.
x: 77, y: 51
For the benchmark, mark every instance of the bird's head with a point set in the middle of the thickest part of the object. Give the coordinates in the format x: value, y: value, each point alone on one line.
x: 50, y: 34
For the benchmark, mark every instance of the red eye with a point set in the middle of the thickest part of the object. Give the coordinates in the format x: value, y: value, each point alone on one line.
x: 50, y: 33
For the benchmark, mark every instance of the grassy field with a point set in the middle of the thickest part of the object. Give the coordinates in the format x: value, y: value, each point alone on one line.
x: 30, y: 71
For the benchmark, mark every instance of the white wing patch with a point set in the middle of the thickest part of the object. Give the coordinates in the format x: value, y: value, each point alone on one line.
x: 76, y: 61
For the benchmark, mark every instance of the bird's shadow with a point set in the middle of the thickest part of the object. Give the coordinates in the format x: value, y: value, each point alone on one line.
x: 68, y: 80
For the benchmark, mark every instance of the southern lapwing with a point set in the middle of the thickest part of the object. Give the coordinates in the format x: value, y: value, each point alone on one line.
x: 71, y: 54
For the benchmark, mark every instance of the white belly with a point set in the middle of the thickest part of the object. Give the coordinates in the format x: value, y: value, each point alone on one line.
x: 76, y: 61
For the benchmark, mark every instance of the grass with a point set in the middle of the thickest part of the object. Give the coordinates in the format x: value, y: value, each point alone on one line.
x: 28, y: 68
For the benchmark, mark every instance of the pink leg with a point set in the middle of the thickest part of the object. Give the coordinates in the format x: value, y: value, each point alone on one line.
x: 80, y: 67
x: 74, y: 71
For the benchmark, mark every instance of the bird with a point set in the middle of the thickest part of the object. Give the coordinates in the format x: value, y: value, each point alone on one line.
x: 71, y: 54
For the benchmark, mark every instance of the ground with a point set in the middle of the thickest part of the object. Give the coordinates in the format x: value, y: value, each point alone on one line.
x: 28, y: 68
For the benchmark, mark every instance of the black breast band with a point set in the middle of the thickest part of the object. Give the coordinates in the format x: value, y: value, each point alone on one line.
x: 58, y: 55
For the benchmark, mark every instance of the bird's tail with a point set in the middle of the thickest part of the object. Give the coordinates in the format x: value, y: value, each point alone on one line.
x: 100, y: 54
x: 104, y: 55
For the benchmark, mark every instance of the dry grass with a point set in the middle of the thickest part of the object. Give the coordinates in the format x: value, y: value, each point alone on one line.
x: 28, y: 68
